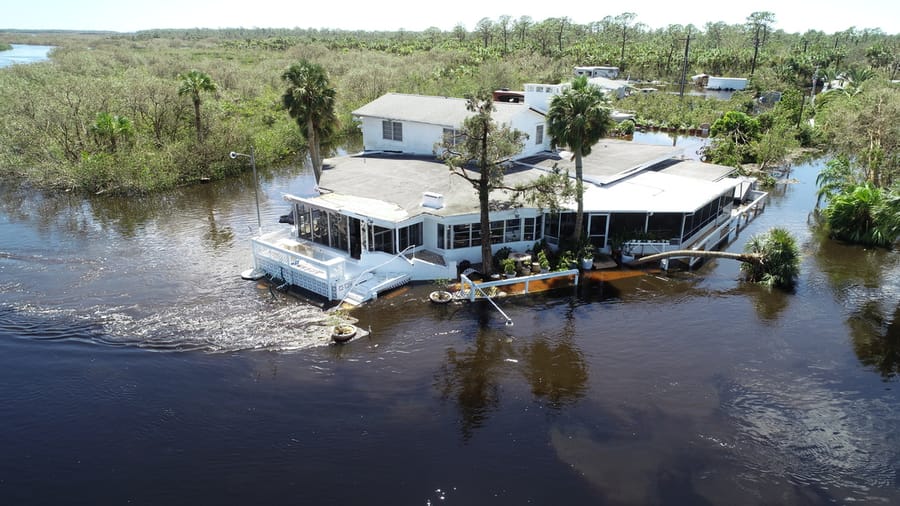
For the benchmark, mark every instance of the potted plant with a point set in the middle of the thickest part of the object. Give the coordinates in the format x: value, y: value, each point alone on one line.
x: 566, y: 260
x: 586, y: 253
x: 543, y: 261
x: 509, y: 267
x: 441, y: 295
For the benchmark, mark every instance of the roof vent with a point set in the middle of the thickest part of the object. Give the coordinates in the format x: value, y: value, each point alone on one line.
x: 432, y: 200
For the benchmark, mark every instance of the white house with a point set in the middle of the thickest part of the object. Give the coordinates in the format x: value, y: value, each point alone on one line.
x: 394, y: 213
x: 412, y: 124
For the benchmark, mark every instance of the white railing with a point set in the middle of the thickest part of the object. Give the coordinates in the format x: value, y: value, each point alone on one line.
x: 324, y: 276
x: 466, y: 282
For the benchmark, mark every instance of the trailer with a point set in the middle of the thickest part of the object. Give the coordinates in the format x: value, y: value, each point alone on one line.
x: 726, y: 83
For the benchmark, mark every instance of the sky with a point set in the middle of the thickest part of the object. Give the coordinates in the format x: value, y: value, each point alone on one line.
x: 792, y: 16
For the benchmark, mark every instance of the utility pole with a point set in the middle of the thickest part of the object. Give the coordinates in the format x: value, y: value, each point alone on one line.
x: 687, y: 46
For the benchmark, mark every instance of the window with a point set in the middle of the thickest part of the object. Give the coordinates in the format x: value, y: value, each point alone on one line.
x: 392, y: 130
x: 533, y: 228
x: 539, y: 134
x: 452, y: 137
x: 465, y: 236
x: 496, y: 232
x: 382, y: 239
x: 411, y: 236
x: 513, y: 230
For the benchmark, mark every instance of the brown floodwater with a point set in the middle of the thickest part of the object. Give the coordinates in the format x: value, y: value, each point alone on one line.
x: 137, y: 367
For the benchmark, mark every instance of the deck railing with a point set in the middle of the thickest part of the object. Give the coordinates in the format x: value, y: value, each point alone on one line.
x: 324, y: 276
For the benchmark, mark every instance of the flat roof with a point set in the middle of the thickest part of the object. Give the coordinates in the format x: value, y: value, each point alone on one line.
x: 700, y: 170
x: 614, y: 159
x: 391, y: 187
x: 655, y: 192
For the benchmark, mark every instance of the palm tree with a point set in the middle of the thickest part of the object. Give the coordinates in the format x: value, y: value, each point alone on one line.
x: 864, y: 215
x: 779, y: 259
x: 110, y: 128
x: 578, y: 118
x: 771, y: 259
x: 193, y: 83
x: 310, y: 101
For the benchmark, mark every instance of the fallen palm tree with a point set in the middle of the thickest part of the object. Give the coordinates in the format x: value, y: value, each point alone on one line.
x: 771, y: 258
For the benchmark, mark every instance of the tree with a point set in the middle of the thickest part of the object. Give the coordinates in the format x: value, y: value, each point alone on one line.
x: 624, y: 21
x: 863, y: 128
x: 194, y: 83
x: 310, y: 101
x: 864, y: 215
x: 578, y: 118
x: 759, y: 24
x: 109, y: 128
x: 485, y: 28
x: 771, y: 259
x: 521, y: 27
x: 489, y: 146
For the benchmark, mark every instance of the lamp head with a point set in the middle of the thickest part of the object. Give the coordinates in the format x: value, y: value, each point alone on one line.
x: 232, y: 154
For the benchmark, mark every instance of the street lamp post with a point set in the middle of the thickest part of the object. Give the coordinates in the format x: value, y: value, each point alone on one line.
x: 252, y: 157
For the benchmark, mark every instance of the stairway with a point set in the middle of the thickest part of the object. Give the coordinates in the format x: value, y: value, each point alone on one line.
x: 375, y: 284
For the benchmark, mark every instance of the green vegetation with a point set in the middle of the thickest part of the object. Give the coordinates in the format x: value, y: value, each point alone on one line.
x: 309, y: 99
x: 5, y: 47
x: 776, y: 259
x: 46, y: 117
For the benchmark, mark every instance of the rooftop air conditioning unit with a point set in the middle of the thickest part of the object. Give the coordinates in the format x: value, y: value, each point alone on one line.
x: 432, y: 200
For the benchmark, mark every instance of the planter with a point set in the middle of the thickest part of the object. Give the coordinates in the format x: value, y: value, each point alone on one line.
x: 440, y: 297
x: 587, y: 264
x: 343, y: 332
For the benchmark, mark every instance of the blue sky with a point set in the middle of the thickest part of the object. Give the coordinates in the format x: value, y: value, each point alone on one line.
x: 416, y: 15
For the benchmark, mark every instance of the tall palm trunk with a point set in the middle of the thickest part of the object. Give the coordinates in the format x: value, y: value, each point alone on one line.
x: 579, y: 197
x: 197, y: 120
x: 315, y: 155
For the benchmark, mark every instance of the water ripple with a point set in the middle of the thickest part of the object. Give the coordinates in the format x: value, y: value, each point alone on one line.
x: 210, y: 327
x: 803, y: 431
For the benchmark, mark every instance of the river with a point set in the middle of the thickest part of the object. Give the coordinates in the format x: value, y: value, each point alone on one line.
x: 137, y: 367
x: 24, y: 53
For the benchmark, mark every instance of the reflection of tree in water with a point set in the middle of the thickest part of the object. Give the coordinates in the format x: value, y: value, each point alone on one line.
x: 769, y: 304
x: 864, y: 280
x: 876, y: 338
x: 555, y: 369
x: 472, y: 378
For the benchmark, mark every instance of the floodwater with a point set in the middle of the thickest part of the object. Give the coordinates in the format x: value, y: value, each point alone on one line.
x: 24, y: 53
x: 137, y: 367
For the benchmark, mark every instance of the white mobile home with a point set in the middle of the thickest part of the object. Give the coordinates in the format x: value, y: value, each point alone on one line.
x: 726, y: 83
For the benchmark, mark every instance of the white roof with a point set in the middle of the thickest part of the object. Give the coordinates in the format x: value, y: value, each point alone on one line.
x: 431, y: 110
x: 655, y: 192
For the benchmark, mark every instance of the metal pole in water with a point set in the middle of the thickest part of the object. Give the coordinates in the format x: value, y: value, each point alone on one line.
x: 255, y: 188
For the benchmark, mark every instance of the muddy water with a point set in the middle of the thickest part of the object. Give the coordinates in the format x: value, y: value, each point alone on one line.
x: 135, y: 366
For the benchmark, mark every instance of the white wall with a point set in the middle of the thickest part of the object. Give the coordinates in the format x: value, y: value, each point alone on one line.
x: 418, y: 138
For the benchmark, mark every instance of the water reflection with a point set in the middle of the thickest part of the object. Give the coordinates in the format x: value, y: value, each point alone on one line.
x: 473, y: 379
x: 876, y: 338
x: 556, y: 368
x: 867, y: 283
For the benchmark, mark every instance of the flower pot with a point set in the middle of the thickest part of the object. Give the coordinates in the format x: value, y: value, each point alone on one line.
x: 440, y: 296
x: 343, y: 332
x: 587, y: 264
